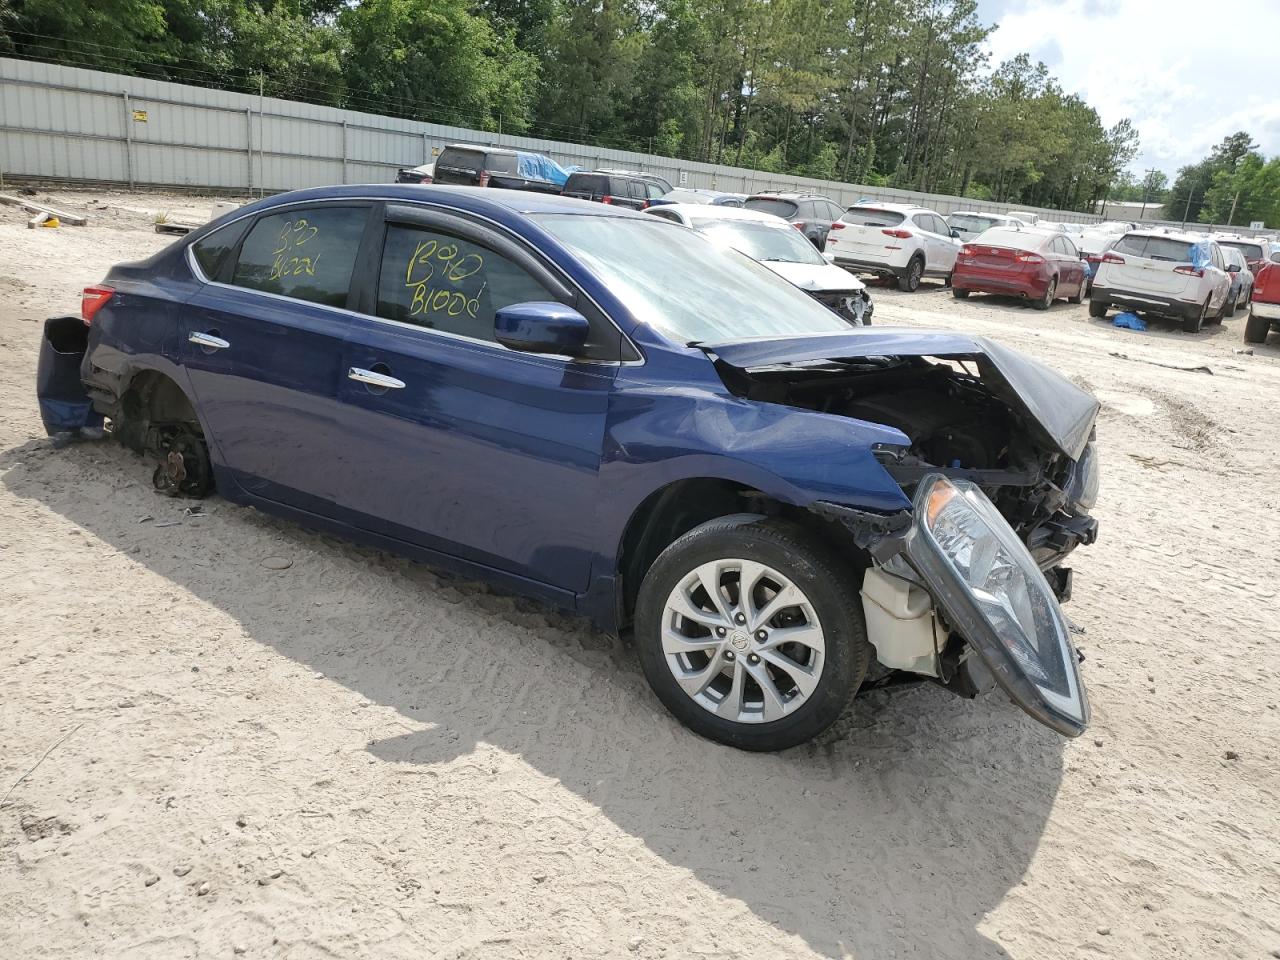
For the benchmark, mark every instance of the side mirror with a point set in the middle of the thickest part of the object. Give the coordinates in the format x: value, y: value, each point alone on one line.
x: 541, y: 327
x: 955, y: 234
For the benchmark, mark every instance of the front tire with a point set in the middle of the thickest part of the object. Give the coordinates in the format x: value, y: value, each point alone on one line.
x: 1229, y: 305
x: 909, y: 282
x: 764, y: 668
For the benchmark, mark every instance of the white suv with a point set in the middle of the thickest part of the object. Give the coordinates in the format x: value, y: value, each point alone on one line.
x: 1182, y: 276
x: 894, y: 240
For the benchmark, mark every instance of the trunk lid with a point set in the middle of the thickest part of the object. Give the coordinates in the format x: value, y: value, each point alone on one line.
x: 864, y: 232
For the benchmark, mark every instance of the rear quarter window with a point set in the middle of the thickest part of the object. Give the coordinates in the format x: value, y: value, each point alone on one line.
x: 871, y: 217
x: 303, y: 254
x: 212, y: 251
x: 1251, y: 251
x: 779, y: 208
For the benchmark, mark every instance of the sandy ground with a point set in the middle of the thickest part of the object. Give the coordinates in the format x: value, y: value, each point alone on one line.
x: 358, y: 757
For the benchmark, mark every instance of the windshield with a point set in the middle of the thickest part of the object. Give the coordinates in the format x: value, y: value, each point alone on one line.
x: 760, y: 241
x: 1251, y: 251
x: 689, y: 288
x: 779, y: 208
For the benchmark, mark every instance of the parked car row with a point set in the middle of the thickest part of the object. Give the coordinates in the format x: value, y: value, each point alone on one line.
x: 623, y: 417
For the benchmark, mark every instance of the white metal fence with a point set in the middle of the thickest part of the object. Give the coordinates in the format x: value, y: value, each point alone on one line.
x: 69, y: 124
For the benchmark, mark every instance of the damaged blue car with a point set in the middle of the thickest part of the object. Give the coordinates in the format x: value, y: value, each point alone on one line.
x: 605, y: 411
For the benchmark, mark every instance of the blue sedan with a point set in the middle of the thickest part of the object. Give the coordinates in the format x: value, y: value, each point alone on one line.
x: 606, y: 411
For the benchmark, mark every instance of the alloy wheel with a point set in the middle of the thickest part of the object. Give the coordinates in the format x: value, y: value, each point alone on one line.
x: 742, y: 641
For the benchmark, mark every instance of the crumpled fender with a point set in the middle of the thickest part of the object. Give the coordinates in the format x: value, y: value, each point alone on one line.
x: 657, y: 436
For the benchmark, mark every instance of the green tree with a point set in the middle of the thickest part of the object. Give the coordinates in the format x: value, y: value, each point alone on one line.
x: 434, y: 60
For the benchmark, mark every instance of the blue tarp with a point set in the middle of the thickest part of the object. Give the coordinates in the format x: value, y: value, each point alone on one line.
x: 1201, y: 257
x: 1130, y: 321
x: 536, y: 166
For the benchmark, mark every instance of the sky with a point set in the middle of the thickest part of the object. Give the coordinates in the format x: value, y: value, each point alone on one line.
x: 1186, y: 73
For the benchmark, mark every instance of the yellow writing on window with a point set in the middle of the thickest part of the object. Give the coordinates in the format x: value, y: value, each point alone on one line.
x: 289, y: 260
x: 434, y: 272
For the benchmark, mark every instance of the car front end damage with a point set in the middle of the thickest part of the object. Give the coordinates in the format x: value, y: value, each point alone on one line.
x: 964, y: 586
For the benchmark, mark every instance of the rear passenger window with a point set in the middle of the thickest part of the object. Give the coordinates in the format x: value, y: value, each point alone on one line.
x: 304, y: 254
x: 431, y: 279
x: 636, y: 188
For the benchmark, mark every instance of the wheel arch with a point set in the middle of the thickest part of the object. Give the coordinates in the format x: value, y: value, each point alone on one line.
x: 679, y: 506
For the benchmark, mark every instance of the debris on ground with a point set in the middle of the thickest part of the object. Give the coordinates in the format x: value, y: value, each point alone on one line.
x: 32, y: 207
x: 1129, y: 321
x: 1201, y: 368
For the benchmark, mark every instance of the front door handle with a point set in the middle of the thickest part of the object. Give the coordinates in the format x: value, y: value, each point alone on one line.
x: 375, y: 379
x: 209, y: 341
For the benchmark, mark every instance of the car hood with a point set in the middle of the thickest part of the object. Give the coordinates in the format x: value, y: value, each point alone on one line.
x: 815, y: 276
x: 1057, y: 410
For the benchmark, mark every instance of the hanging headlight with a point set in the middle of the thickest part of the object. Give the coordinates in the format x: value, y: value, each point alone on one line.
x: 986, y: 581
x: 1082, y: 484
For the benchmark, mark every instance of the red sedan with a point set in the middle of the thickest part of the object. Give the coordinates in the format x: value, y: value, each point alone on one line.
x: 1038, y: 265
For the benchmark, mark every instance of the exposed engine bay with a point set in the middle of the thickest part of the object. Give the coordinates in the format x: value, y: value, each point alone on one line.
x: 957, y: 424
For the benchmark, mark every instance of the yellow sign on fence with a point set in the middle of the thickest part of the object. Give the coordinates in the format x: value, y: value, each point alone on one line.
x: 139, y: 116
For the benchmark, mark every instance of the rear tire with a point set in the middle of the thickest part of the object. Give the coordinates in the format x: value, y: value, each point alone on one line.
x: 959, y: 294
x: 1256, y: 328
x: 1193, y: 324
x: 711, y: 676
x: 1045, y: 302
x: 1098, y: 309
x: 909, y: 282
x: 1079, y: 297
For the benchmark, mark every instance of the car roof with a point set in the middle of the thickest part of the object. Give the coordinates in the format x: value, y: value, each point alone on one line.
x: 1186, y: 236
x: 974, y: 213
x: 895, y: 207
x: 716, y: 212
x: 481, y: 200
x: 480, y: 147
x: 777, y: 195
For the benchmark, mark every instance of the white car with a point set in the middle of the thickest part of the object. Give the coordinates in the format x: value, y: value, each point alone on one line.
x: 1256, y: 250
x: 894, y: 240
x: 1174, y: 274
x: 778, y: 245
x: 1242, y: 278
x: 970, y: 223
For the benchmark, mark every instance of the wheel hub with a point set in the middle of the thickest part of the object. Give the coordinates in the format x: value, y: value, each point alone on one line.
x: 743, y: 641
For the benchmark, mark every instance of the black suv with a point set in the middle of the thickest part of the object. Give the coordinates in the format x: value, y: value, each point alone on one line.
x: 623, y: 189
x: 809, y: 213
x: 473, y: 166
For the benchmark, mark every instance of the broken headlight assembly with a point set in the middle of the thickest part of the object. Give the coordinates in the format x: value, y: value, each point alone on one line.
x: 992, y: 592
x: 1082, y: 482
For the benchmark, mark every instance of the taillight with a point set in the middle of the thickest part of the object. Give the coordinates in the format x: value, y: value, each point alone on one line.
x: 968, y: 251
x: 897, y: 234
x: 837, y: 225
x: 645, y: 205
x: 1187, y: 270
x: 1029, y: 258
x: 606, y: 199
x: 1112, y: 258
x: 798, y: 226
x: 92, y: 300
x: 484, y: 178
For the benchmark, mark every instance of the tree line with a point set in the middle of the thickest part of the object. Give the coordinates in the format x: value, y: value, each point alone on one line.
x: 882, y: 92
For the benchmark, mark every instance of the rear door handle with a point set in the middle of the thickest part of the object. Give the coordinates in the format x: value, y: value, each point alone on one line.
x: 374, y: 379
x: 209, y: 340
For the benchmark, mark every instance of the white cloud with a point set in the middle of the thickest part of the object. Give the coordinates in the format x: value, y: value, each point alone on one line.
x: 1186, y: 72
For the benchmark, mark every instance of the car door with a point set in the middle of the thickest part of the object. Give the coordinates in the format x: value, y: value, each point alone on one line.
x: 637, y: 195
x: 453, y: 441
x: 935, y: 251
x: 262, y: 343
x: 1216, y: 269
